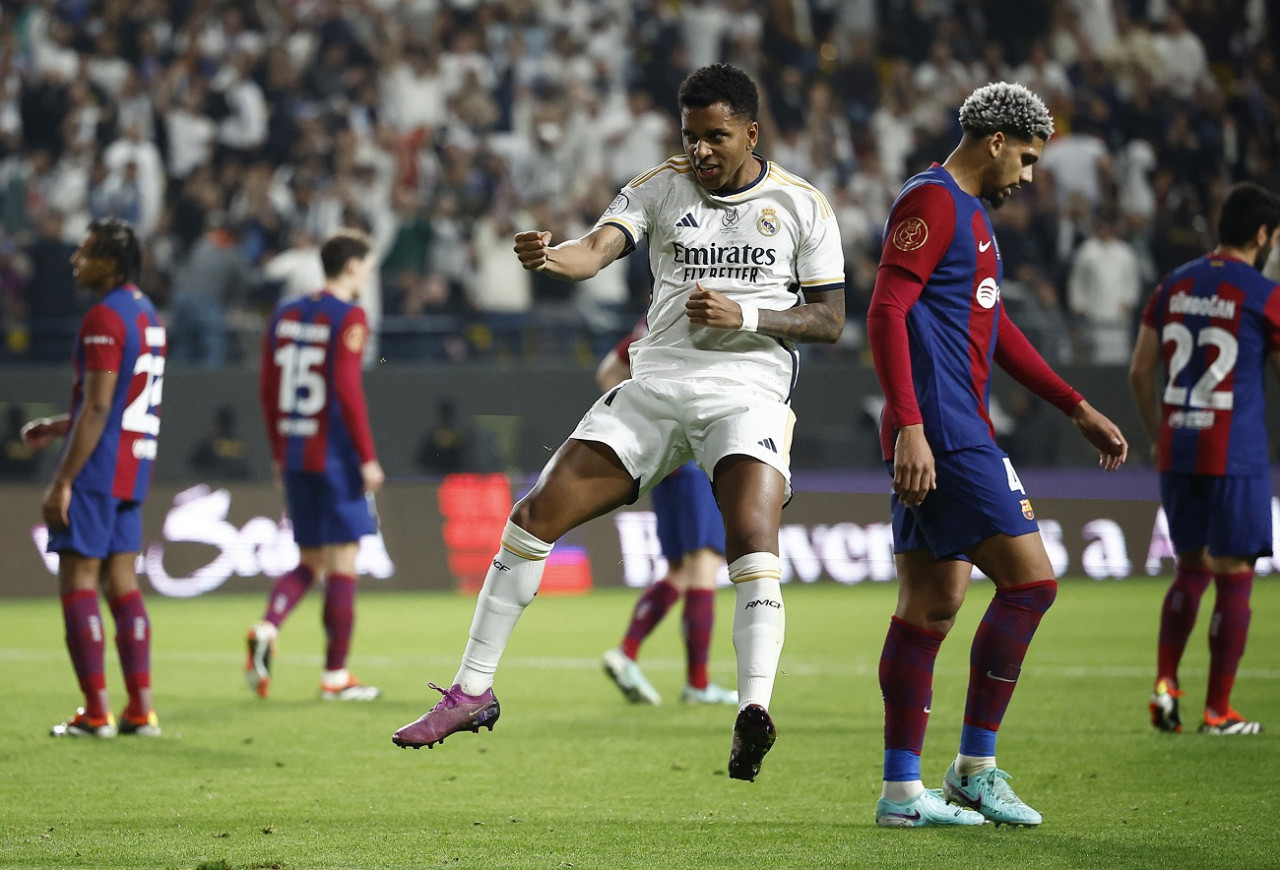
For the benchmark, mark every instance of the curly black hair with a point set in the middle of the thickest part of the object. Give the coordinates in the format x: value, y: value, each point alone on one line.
x: 1005, y: 107
x: 720, y: 83
x: 115, y: 240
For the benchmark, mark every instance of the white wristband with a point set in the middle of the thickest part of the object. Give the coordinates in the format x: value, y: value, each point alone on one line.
x: 750, y: 317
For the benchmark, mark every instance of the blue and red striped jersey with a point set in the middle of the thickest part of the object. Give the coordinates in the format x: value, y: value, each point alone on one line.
x: 1218, y: 319
x: 310, y: 384
x: 122, y: 334
x: 942, y: 236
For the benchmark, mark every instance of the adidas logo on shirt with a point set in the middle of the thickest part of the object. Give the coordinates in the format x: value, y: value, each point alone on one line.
x: 768, y: 443
x: 688, y: 220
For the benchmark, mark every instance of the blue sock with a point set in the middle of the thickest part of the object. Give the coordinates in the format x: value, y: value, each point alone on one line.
x: 901, y: 765
x: 977, y: 742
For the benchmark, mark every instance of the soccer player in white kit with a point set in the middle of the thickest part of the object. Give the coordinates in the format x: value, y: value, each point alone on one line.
x: 747, y: 261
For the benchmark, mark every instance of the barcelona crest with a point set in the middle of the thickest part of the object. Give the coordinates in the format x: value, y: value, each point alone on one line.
x: 1026, y: 509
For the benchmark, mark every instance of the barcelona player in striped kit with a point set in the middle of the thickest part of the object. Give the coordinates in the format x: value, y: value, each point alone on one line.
x: 317, y: 421
x: 935, y: 326
x: 1210, y: 328
x: 93, y: 506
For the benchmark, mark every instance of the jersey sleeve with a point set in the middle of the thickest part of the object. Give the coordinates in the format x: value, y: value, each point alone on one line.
x: 920, y: 231
x: 820, y: 256
x: 1271, y: 314
x: 102, y: 335
x: 1016, y: 355
x: 632, y: 208
x: 1151, y: 312
x: 348, y: 390
x: 895, y: 292
x: 269, y: 393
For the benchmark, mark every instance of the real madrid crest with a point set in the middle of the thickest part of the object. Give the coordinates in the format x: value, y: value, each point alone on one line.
x: 768, y: 223
x: 729, y: 217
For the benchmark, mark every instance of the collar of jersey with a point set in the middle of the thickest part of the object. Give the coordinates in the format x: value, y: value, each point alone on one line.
x: 764, y: 173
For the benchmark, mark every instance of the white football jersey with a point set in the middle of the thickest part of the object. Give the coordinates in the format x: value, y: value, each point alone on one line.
x: 762, y: 245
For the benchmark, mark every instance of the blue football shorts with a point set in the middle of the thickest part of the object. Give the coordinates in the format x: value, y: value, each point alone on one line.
x: 979, y: 495
x: 688, y: 516
x: 327, y: 508
x: 100, y: 525
x: 1230, y: 515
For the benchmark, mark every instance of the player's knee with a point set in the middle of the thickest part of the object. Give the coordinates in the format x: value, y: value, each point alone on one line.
x: 941, y: 615
x: 1036, y: 597
x: 537, y: 518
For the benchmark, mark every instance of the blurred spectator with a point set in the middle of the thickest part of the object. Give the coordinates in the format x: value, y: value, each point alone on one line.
x: 297, y: 269
x: 1080, y: 164
x: 1184, y: 63
x: 702, y: 26
x: 857, y: 80
x: 134, y: 160
x: 14, y: 337
x: 223, y: 455
x: 1132, y: 54
x: 1046, y: 76
x: 413, y: 86
x: 192, y: 134
x: 502, y: 293
x: 942, y: 79
x: 408, y: 254
x: 1181, y: 231
x: 992, y: 65
x: 55, y: 302
x: 638, y: 137
x: 115, y: 195
x: 1134, y: 194
x: 244, y: 129
x: 215, y: 277
x: 1103, y: 287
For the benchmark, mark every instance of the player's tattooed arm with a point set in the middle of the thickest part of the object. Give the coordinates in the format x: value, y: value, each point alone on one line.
x: 819, y: 319
x: 574, y: 260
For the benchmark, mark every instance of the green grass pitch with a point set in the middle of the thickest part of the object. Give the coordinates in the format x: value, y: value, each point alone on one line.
x: 572, y: 776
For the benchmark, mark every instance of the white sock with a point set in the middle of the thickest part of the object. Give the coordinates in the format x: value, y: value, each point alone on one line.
x: 901, y: 792
x: 509, y: 586
x: 335, y: 679
x: 968, y: 765
x: 759, y: 625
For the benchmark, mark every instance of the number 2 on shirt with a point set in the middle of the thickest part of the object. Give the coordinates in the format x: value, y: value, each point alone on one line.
x: 1205, y: 393
x: 140, y: 414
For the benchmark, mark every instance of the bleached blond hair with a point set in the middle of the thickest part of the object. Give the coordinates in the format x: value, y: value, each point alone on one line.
x: 1006, y: 107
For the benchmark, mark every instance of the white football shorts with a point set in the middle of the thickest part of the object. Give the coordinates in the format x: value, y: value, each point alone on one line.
x: 655, y: 425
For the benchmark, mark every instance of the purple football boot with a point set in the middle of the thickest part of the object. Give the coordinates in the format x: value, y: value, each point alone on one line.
x: 456, y: 711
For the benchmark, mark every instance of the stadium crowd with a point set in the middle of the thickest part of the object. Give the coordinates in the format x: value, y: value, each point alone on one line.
x: 235, y: 135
